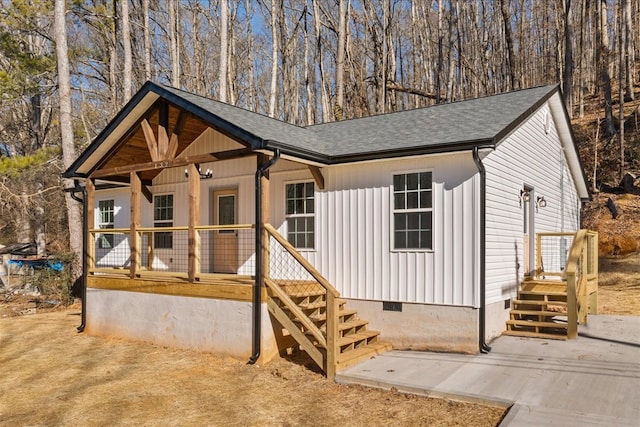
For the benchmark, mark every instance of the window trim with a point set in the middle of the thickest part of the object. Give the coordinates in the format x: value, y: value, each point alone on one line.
x: 109, y: 237
x: 313, y: 215
x: 392, y: 211
x: 156, y: 222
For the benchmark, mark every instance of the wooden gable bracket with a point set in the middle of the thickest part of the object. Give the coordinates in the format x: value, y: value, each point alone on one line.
x: 317, y: 176
x: 163, y: 148
x: 177, y: 162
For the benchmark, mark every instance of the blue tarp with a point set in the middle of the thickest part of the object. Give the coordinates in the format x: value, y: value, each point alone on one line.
x: 38, y: 264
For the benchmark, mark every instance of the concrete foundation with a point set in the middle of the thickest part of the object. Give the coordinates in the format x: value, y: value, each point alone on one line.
x: 496, y: 319
x: 422, y: 326
x: 213, y: 325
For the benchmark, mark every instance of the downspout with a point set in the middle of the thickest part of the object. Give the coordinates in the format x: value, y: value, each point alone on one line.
x: 77, y: 189
x: 484, y: 348
x: 257, y: 287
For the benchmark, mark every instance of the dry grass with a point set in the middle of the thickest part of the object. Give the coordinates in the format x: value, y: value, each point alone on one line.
x: 52, y: 375
x: 619, y: 285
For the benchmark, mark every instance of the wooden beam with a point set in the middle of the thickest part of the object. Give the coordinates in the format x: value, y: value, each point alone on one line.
x: 90, y: 188
x: 134, y: 241
x: 194, y: 220
x: 265, y: 217
x: 178, y: 162
x: 152, y: 143
x: 163, y: 136
x: 317, y: 176
x: 146, y: 192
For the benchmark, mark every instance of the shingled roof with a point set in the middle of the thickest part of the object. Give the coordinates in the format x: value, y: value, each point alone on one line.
x: 441, y: 128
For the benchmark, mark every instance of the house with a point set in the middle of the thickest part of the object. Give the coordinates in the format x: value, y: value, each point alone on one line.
x: 216, y: 228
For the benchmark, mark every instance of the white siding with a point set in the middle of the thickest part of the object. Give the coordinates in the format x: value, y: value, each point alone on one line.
x: 354, y: 229
x: 531, y: 156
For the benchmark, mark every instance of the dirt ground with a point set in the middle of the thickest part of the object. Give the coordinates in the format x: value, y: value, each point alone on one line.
x: 52, y: 375
x: 619, y: 285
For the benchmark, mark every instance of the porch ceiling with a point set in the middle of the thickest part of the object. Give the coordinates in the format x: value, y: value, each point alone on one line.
x: 133, y: 149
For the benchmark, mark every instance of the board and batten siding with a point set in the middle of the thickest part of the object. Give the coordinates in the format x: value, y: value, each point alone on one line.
x: 354, y: 220
x: 532, y: 155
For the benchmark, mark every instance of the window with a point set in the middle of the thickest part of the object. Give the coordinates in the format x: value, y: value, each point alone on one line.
x: 300, y: 215
x: 106, y: 214
x: 163, y: 217
x: 413, y: 211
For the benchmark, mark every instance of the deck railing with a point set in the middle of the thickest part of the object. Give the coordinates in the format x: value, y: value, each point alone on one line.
x: 289, y: 269
x: 168, y: 251
x: 577, y: 264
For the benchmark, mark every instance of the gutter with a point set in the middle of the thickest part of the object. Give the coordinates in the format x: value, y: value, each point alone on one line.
x: 482, y: 345
x: 77, y: 188
x: 257, y: 287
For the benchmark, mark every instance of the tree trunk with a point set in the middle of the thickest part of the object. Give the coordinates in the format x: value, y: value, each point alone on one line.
x: 224, y: 50
x: 603, y: 67
x: 147, y: 40
x: 508, y: 37
x: 274, y: 59
x: 126, y: 44
x: 173, y: 44
x: 568, y: 60
x: 629, y: 52
x: 66, y: 128
x: 342, y: 38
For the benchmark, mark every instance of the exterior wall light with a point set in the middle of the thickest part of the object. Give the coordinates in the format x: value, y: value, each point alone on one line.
x: 525, y: 196
x: 540, y: 203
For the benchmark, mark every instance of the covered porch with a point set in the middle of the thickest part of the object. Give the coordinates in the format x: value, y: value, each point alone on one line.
x: 184, y: 253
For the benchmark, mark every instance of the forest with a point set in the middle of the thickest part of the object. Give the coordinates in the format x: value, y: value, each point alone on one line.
x: 67, y: 67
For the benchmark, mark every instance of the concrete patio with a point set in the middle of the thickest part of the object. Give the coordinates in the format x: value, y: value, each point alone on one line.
x: 592, y: 380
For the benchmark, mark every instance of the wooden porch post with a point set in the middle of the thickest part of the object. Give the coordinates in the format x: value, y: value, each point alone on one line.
x: 194, y: 220
x: 134, y: 239
x: 90, y: 188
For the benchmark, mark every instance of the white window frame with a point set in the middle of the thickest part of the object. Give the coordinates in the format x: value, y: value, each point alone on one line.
x: 106, y: 241
x: 305, y: 215
x: 163, y: 223
x: 420, y: 210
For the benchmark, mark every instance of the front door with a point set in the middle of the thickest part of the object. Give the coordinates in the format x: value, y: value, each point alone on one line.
x: 225, y: 242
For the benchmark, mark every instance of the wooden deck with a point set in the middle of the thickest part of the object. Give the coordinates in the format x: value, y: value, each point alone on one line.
x: 215, y: 286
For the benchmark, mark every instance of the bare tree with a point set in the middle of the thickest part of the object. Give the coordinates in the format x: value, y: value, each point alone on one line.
x: 224, y: 50
x: 66, y: 124
x: 274, y: 59
x: 126, y: 44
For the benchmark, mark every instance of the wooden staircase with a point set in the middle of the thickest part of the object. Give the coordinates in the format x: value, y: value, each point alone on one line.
x: 540, y: 310
x: 310, y: 309
x: 355, y: 341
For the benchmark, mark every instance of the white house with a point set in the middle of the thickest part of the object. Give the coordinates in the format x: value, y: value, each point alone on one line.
x: 419, y: 220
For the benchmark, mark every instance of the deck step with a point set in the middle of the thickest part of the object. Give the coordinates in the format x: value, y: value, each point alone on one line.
x: 341, y: 314
x: 319, y: 304
x: 542, y: 293
x: 350, y: 358
x: 537, y: 324
x: 363, y: 337
x: 519, y: 333
x: 544, y: 313
x: 541, y: 303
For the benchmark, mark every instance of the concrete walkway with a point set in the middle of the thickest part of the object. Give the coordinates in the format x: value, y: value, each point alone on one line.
x: 592, y: 380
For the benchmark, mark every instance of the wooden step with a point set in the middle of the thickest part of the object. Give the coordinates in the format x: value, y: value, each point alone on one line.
x: 341, y: 315
x: 343, y: 326
x: 353, y: 341
x: 519, y: 333
x: 541, y: 294
x: 350, y: 358
x: 540, y: 303
x: 544, y: 313
x: 537, y: 324
x: 319, y: 304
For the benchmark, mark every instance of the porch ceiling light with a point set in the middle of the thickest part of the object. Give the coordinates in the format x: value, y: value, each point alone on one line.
x: 208, y: 174
x: 540, y: 203
x: 525, y: 196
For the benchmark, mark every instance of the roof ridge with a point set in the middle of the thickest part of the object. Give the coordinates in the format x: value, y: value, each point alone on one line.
x: 550, y: 86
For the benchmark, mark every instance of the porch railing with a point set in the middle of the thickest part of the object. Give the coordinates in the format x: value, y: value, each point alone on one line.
x: 168, y: 251
x: 573, y: 257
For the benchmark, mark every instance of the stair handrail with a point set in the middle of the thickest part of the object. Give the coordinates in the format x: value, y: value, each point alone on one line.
x: 331, y: 295
x: 575, y: 276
